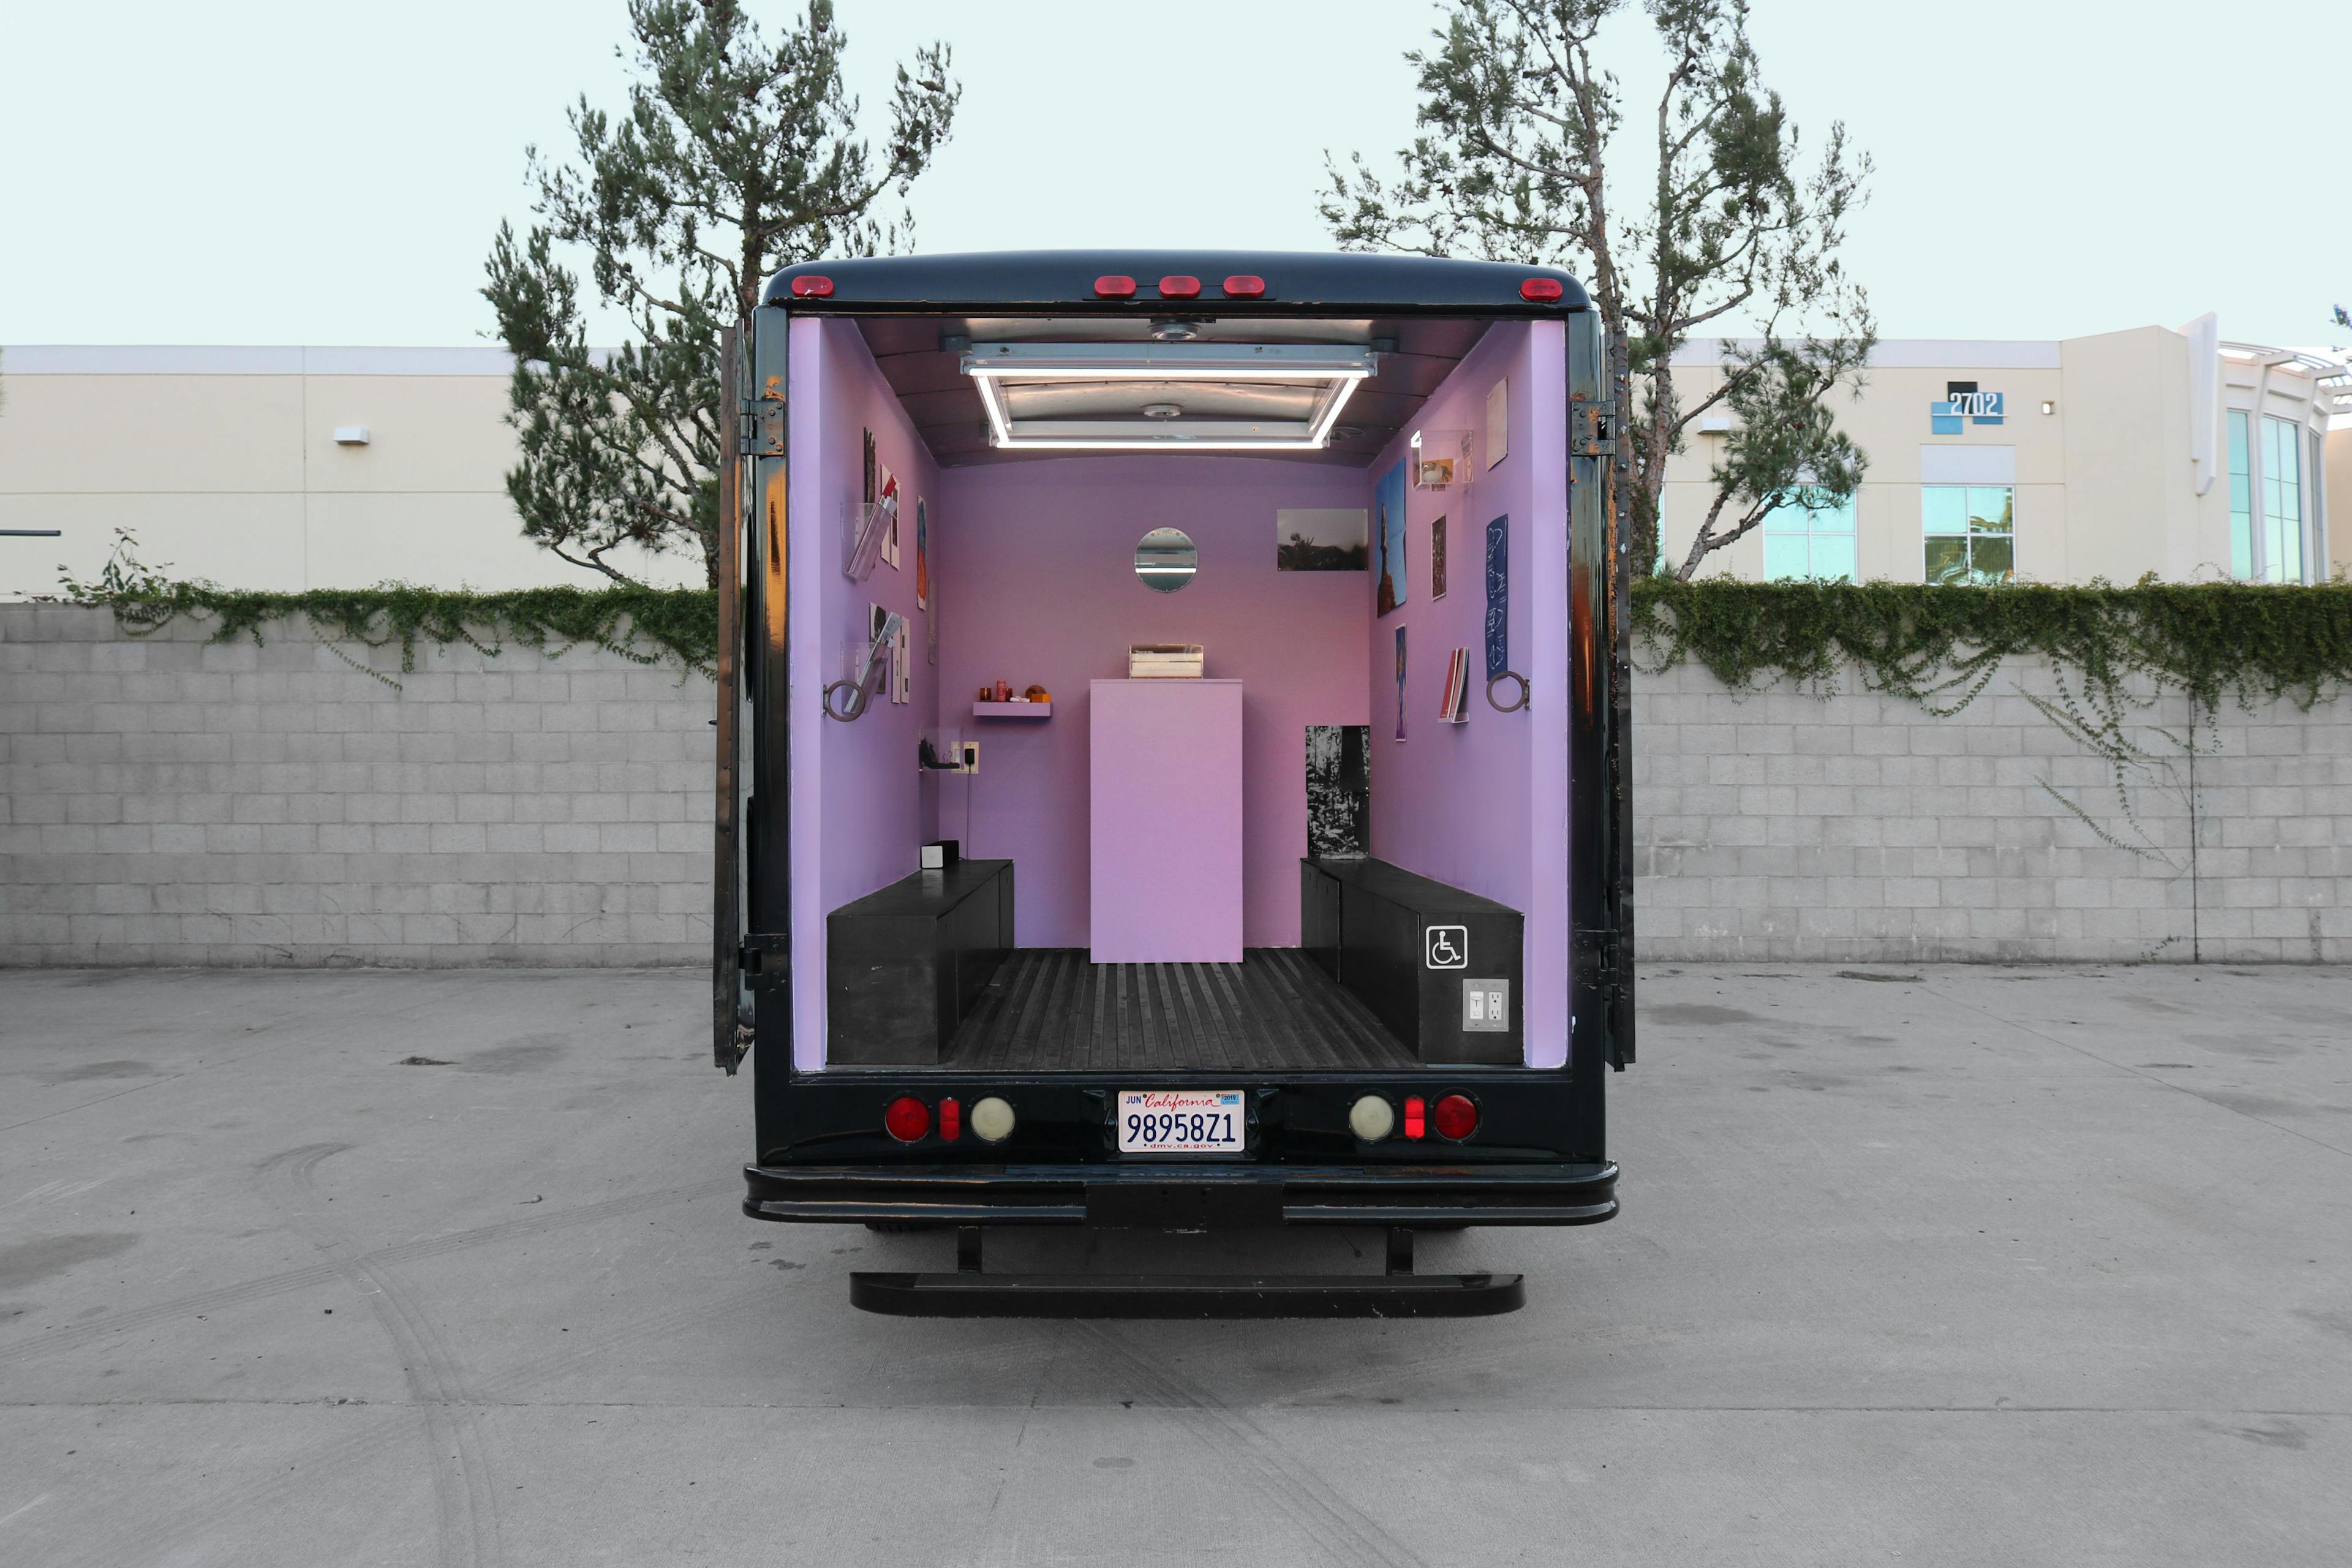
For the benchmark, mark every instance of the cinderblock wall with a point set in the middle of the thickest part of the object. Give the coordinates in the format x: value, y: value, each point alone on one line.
x: 1787, y: 824
x: 164, y: 800
x: 169, y: 801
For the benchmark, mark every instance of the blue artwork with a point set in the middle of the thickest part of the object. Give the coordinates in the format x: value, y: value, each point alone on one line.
x: 1388, y: 538
x: 1399, y: 734
x: 1498, y: 596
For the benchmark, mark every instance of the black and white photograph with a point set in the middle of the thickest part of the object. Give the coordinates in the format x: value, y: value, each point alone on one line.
x: 1338, y: 791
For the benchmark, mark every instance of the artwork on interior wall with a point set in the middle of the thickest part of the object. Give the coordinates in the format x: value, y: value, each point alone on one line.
x: 869, y: 468
x: 885, y: 495
x: 901, y: 651
x: 922, y: 555
x: 1320, y: 538
x: 927, y: 583
x: 1437, y: 560
x: 1498, y: 422
x: 1388, y: 538
x: 1498, y: 596
x: 1338, y: 791
x: 1453, y: 706
x: 1399, y: 734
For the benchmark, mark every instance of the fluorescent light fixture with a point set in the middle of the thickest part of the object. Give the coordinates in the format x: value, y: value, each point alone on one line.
x: 1125, y: 379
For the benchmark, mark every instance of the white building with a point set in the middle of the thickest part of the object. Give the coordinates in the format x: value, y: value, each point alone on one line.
x: 2115, y: 456
x: 271, y: 467
x: 2109, y: 456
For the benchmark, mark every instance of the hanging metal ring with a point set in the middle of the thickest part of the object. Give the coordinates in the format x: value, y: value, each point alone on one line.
x: 1506, y: 674
x: 858, y: 698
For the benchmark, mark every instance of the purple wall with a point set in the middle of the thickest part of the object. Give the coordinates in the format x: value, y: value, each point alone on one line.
x: 1033, y: 564
x: 1041, y: 588
x: 859, y: 825
x: 1483, y: 805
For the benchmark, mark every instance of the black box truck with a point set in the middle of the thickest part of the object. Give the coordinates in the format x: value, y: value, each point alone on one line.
x: 1172, y: 761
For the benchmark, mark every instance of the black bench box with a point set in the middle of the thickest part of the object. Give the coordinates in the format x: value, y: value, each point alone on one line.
x: 903, y: 964
x: 1367, y: 923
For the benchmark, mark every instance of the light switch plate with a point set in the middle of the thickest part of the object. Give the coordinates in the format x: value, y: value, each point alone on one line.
x: 1485, y: 1006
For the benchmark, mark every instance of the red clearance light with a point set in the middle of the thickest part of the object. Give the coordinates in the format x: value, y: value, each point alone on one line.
x: 907, y: 1119
x: 1413, y: 1125
x: 1244, y: 286
x: 805, y: 287
x: 1456, y: 1117
x: 1543, y: 290
x: 951, y: 1119
x: 1180, y: 288
x: 1114, y: 287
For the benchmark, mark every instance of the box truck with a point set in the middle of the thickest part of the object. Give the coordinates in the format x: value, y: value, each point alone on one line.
x: 1172, y: 761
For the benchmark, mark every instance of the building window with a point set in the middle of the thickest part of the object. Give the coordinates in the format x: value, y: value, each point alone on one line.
x: 1809, y: 540
x: 2282, y: 532
x: 2241, y: 497
x: 1972, y: 532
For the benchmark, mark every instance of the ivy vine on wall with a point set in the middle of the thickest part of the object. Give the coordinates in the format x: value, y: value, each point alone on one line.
x: 1939, y: 646
x: 645, y: 626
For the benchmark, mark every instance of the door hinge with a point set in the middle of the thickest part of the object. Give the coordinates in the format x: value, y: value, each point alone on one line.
x: 761, y: 432
x: 1593, y: 430
x: 766, y: 961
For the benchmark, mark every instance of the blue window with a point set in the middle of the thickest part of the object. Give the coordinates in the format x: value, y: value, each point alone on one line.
x: 1812, y: 538
x: 1971, y: 533
x: 2241, y: 497
x: 2281, y: 531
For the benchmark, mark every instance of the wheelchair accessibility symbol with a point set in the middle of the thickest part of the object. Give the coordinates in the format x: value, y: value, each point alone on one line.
x: 1448, y: 947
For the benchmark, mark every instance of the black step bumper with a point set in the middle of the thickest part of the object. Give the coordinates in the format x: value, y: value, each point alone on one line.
x: 1186, y: 1198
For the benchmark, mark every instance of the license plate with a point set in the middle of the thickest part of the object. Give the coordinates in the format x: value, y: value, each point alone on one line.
x: 1180, y: 1121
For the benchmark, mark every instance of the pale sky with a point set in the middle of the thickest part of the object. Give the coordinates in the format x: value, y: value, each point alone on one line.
x: 259, y: 172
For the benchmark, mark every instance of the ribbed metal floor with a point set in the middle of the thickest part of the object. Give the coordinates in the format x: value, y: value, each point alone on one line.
x: 1049, y: 1010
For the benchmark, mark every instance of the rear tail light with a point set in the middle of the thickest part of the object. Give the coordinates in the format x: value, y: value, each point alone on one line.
x: 1413, y: 1124
x: 992, y: 1118
x: 1543, y: 290
x: 1112, y: 285
x: 1245, y: 286
x: 1372, y: 1118
x: 1457, y: 1116
x: 1180, y: 288
x: 951, y: 1119
x: 907, y: 1119
x: 806, y: 287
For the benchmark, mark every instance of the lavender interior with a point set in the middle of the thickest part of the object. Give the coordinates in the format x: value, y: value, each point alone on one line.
x: 1032, y: 566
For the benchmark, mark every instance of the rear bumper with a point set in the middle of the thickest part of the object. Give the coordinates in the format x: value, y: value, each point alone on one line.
x: 1183, y: 1197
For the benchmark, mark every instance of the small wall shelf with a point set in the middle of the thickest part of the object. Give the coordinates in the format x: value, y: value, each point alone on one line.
x: 1012, y: 710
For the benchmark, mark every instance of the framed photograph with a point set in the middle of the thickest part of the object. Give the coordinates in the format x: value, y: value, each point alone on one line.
x: 1399, y: 728
x: 1320, y: 538
x: 1437, y: 559
x: 1338, y: 791
x: 887, y: 496
x: 1498, y: 422
x: 922, y: 555
x: 1388, y: 541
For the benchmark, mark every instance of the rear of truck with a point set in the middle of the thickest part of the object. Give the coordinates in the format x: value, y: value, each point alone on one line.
x: 1338, y: 932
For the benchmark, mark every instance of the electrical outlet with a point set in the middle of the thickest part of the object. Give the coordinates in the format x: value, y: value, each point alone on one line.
x: 971, y: 757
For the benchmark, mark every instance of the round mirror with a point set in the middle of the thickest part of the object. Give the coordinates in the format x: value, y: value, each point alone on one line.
x: 1166, y: 559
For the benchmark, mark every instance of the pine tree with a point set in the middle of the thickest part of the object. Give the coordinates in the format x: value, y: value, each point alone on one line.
x: 738, y: 153
x: 1512, y: 163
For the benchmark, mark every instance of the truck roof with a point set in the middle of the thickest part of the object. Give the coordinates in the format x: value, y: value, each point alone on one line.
x: 1289, y: 282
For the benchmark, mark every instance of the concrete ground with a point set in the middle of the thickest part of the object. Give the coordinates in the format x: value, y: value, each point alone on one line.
x: 1962, y: 1266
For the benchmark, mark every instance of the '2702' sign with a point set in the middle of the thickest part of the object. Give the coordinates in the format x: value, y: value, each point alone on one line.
x: 1964, y: 402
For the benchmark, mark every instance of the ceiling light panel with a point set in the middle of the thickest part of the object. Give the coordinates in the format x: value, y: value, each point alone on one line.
x: 1233, y: 396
